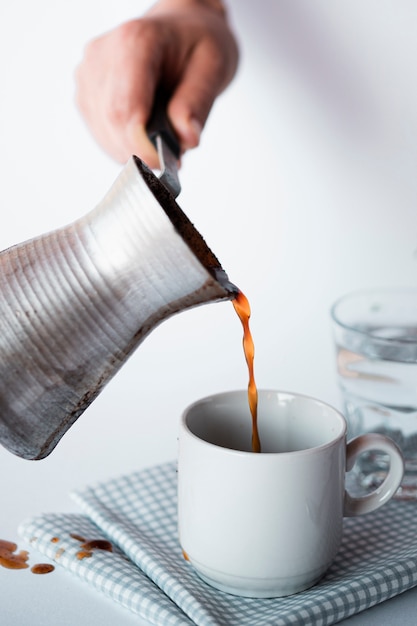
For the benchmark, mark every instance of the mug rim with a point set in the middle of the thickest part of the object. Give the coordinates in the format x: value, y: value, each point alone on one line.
x: 341, y: 434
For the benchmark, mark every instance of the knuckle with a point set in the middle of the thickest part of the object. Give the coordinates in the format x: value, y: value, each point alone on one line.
x: 117, y: 112
x: 137, y: 31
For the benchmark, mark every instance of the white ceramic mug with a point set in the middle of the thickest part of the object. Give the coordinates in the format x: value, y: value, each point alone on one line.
x: 269, y: 524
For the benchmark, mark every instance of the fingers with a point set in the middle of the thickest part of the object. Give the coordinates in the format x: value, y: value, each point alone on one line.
x: 205, y: 76
x: 193, y: 54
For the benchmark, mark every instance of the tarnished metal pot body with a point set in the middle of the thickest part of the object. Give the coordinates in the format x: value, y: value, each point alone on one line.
x: 76, y: 302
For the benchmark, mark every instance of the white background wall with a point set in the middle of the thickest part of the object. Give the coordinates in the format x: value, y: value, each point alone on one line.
x: 304, y: 186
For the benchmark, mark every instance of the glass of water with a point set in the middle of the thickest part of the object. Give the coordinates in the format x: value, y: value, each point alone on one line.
x: 375, y: 333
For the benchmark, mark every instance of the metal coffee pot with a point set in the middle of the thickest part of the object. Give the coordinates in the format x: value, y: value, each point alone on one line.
x: 76, y: 302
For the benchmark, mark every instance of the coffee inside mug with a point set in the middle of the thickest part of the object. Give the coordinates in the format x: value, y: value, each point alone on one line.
x: 285, y: 422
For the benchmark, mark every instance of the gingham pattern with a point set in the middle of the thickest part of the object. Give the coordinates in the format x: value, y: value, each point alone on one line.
x: 137, y: 513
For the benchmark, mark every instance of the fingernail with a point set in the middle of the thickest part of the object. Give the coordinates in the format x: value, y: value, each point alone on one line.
x: 197, y: 129
x: 190, y: 130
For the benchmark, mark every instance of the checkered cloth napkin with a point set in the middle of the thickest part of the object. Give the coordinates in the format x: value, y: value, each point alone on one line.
x: 147, y: 574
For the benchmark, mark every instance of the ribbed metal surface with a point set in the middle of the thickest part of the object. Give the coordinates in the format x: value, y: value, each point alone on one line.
x: 76, y: 302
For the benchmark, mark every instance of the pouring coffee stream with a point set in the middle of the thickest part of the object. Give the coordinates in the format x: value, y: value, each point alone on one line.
x: 164, y: 139
x: 242, y: 308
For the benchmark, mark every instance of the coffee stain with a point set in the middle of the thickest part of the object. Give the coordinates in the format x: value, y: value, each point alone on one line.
x: 42, y: 568
x: 87, y: 547
x: 11, y: 559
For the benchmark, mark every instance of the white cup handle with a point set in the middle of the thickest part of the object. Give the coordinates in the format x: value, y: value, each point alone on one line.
x: 372, y: 501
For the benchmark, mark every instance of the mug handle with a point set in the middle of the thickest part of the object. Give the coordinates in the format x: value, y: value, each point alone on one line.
x: 372, y: 501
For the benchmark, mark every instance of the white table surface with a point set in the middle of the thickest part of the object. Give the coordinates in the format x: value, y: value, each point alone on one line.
x: 304, y: 186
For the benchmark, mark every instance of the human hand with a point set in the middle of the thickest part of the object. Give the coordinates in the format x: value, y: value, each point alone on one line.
x: 184, y: 46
